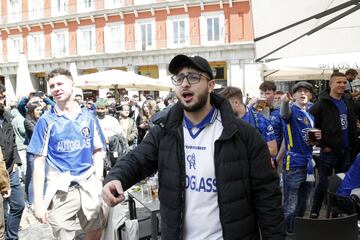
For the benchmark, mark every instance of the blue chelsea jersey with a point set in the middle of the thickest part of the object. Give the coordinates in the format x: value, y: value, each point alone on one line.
x: 298, y: 152
x: 67, y: 144
x: 260, y: 123
x: 343, y: 115
x: 275, y: 121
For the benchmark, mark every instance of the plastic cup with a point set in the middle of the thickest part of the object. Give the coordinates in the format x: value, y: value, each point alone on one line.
x: 146, y: 193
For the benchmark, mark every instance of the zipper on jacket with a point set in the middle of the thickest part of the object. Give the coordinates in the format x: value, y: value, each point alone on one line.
x: 181, y: 157
x: 216, y: 166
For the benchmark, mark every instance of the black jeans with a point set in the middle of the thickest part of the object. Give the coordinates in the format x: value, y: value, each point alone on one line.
x: 329, y: 161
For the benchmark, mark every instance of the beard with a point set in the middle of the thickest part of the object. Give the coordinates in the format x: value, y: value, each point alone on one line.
x: 203, y: 97
x: 101, y: 115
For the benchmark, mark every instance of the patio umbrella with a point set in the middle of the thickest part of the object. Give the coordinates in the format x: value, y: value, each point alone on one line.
x: 127, y: 80
x: 74, y: 74
x: 24, y: 84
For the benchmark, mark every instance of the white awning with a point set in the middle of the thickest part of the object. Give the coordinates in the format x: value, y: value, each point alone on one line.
x: 341, y: 36
x: 318, y: 67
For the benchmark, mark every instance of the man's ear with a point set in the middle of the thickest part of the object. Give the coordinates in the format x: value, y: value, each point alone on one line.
x: 211, y: 85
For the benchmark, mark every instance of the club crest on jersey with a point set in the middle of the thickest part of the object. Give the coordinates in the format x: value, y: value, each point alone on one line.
x: 191, y: 161
x: 85, y: 131
x: 306, y: 121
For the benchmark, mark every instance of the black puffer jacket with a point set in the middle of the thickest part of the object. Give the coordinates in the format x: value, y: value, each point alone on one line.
x: 249, y: 196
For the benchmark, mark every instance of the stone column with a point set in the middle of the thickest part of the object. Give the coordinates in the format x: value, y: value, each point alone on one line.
x: 245, y: 75
x: 132, y: 68
x: 163, y: 75
x: 235, y: 73
x: 102, y: 91
x: 162, y: 71
x: 253, y: 78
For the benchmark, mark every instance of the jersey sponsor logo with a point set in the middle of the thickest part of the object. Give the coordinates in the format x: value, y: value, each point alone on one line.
x: 191, y: 160
x: 73, y: 145
x: 85, y: 131
x: 200, y: 184
x: 343, y: 120
x: 195, y: 147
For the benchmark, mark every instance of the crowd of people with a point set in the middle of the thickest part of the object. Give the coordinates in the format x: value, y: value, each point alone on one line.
x: 243, y: 165
x: 123, y: 126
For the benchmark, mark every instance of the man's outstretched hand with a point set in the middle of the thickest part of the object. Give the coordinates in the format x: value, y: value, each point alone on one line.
x: 113, y: 193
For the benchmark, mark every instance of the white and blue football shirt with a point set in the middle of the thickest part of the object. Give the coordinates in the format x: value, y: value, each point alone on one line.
x: 202, y: 220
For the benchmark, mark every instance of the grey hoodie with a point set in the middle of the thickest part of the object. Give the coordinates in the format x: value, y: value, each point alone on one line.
x: 19, y: 129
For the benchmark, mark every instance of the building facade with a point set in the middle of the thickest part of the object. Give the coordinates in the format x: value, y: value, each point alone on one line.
x: 132, y: 35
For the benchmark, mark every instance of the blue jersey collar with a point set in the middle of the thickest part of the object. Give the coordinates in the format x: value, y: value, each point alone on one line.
x: 209, y: 119
x: 57, y: 111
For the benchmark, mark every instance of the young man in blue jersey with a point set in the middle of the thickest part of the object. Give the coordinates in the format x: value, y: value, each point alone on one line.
x: 268, y: 91
x: 271, y: 111
x: 297, y: 162
x: 67, y: 140
x: 215, y: 178
x: 335, y: 115
x: 235, y: 97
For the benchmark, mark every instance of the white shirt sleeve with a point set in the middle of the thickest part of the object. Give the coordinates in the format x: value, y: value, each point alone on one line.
x: 117, y: 127
x: 97, y: 140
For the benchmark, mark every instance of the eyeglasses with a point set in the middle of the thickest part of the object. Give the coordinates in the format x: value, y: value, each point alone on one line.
x: 191, y: 77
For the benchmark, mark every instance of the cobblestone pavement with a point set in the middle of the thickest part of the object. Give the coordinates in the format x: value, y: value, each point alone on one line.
x: 33, y: 230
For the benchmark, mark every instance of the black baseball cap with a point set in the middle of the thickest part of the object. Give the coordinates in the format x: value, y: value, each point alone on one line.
x: 39, y: 94
x: 302, y: 84
x: 180, y: 61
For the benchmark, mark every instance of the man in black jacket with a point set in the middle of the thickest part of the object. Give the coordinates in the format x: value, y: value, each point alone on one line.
x: 215, y: 178
x: 335, y: 116
x: 16, y: 201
